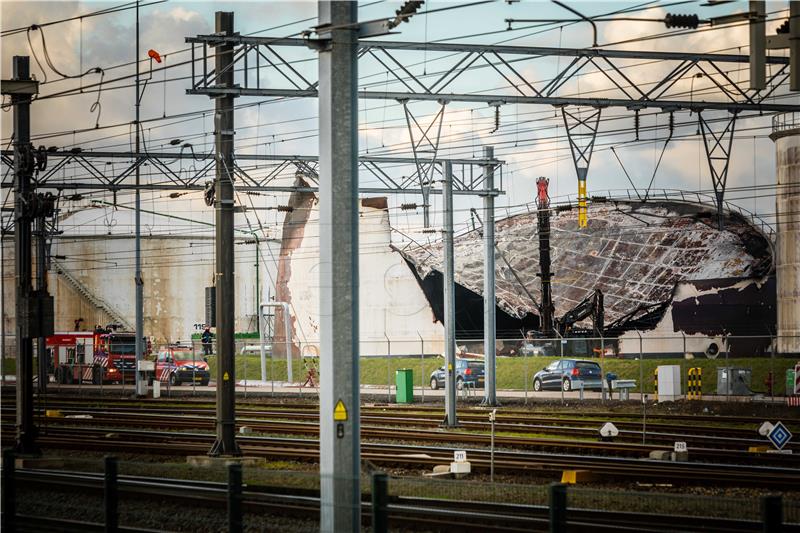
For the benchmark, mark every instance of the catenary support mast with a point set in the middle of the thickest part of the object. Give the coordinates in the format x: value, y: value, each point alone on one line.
x: 225, y: 443
x: 489, y: 300
x: 23, y: 168
x: 450, y: 418
x: 340, y: 454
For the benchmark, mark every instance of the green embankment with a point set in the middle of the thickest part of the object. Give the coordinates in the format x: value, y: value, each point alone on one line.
x: 513, y: 373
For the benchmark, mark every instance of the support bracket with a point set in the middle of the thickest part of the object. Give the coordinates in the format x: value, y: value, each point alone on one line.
x: 581, y: 134
x: 718, y: 154
x: 426, y: 143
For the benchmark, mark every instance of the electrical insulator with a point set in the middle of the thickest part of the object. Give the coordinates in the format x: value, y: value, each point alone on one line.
x: 671, y: 122
x: 636, y: 123
x: 560, y: 208
x: 682, y: 21
x: 407, y: 207
x: 409, y: 8
x: 285, y: 208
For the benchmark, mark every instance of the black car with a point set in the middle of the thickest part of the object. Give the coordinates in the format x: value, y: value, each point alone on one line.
x: 563, y: 373
x: 467, y: 371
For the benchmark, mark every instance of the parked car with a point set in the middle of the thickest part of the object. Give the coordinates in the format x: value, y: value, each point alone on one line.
x: 563, y: 373
x: 178, y: 364
x: 467, y: 371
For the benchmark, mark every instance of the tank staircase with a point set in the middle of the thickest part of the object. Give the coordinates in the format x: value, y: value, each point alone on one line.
x: 113, y: 313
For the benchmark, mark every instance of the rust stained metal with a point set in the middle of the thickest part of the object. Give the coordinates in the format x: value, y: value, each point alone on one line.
x: 634, y: 252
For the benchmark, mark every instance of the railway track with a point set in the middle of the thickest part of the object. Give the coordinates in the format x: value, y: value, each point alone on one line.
x: 403, y: 511
x: 517, y: 429
x: 550, y: 465
x: 308, y: 426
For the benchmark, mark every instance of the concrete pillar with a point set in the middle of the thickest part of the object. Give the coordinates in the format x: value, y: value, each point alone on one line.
x: 339, y: 439
x: 786, y: 134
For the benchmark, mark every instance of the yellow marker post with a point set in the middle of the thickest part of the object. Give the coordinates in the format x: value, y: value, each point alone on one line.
x: 225, y: 377
x: 340, y: 412
x: 583, y: 218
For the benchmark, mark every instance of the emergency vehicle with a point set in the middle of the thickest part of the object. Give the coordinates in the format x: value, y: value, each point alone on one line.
x: 98, y: 357
x: 179, y: 364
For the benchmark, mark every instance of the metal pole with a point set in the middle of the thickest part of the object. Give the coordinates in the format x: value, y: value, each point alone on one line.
x: 558, y: 508
x: 138, y: 280
x: 2, y: 307
x: 225, y: 443
x: 41, y: 285
x: 235, y: 524
x: 340, y: 446
x: 492, y: 417
x: 422, y: 365
x: 380, y: 500
x: 758, y: 46
x: 26, y: 431
x: 110, y: 494
x: 794, y: 45
x: 489, y: 302
x: 9, y: 492
x: 287, y: 338
x: 388, y: 368
x: 261, y: 344
x: 771, y: 513
x: 561, y: 353
x: 450, y: 419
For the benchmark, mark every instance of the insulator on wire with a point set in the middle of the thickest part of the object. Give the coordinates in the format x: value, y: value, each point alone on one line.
x: 636, y: 123
x: 429, y: 230
x: 560, y: 208
x: 285, y: 208
x: 409, y: 8
x: 682, y: 21
x: 496, y: 118
x: 671, y: 122
x: 408, y: 207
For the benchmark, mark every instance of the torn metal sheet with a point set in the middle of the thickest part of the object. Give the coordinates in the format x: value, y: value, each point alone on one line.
x: 635, y: 252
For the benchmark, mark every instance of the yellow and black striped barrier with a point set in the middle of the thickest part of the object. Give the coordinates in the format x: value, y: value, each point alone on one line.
x: 655, y: 384
x: 694, y: 385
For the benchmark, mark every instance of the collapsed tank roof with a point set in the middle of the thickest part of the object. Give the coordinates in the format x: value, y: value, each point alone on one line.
x: 634, y: 252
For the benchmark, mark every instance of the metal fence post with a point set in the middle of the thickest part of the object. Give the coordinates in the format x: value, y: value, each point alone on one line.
x: 380, y: 500
x: 771, y: 513
x: 9, y: 494
x: 110, y: 495
x: 422, y: 365
x: 234, y: 498
x: 558, y: 508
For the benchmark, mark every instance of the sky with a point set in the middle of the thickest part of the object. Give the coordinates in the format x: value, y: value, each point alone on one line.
x: 530, y: 139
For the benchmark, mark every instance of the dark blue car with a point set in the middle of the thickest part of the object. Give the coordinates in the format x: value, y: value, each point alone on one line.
x: 564, y: 373
x: 467, y: 371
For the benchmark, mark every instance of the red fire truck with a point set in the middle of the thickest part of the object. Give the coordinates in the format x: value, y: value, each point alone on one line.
x: 98, y: 357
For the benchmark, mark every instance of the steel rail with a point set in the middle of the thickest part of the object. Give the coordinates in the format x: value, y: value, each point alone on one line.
x: 540, y: 463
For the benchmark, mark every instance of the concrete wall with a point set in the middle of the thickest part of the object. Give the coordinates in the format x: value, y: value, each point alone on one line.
x: 787, y: 264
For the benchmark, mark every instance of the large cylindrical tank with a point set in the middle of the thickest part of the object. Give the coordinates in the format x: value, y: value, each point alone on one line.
x: 786, y: 134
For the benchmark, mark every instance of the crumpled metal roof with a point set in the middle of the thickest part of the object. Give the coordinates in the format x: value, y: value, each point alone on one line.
x: 634, y: 252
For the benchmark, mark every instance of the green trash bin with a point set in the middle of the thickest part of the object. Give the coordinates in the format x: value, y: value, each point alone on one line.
x: 789, y: 381
x: 404, y: 379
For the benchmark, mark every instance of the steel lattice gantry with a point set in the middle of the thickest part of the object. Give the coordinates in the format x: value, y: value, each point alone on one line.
x: 391, y: 70
x: 504, y: 68
x: 188, y: 171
